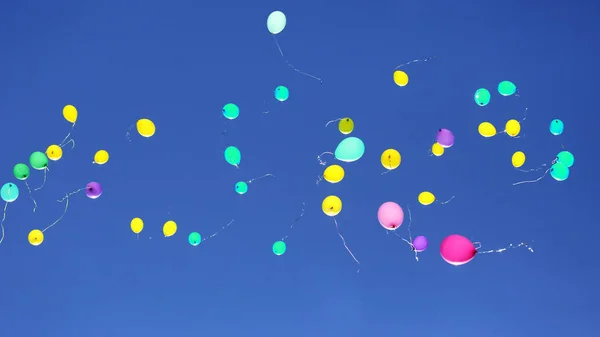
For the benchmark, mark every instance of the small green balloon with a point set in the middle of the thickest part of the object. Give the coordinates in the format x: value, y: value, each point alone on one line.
x: 38, y: 160
x: 482, y: 97
x: 233, y: 155
x: 566, y: 158
x: 559, y: 171
x: 241, y: 187
x: 507, y: 88
x: 194, y: 238
x: 350, y: 149
x: 279, y: 248
x: 231, y: 111
x: 282, y: 93
x: 21, y: 171
x: 557, y: 127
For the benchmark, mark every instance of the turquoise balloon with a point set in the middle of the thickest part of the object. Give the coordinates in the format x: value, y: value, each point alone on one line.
x: 559, y: 171
x: 282, y: 93
x: 233, y: 155
x: 566, y: 158
x: 241, y: 187
x: 279, y: 248
x: 350, y: 149
x: 482, y: 97
x: 231, y: 111
x: 557, y: 127
x: 507, y: 88
x: 194, y: 238
x: 9, y: 192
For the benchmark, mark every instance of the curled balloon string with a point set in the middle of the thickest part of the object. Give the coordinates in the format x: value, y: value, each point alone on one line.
x: 333, y: 121
x: 337, y: 227
x: 291, y: 65
x: 319, y: 179
x: 261, y: 177
x: 70, y: 194
x: 295, y: 221
x: 219, y: 231
x: 532, y: 181
x: 447, y: 201
x: 415, y: 61
x: 412, y: 247
x: 510, y: 246
x: 46, y: 169
x: 62, y: 216
x: 322, y: 162
x: 65, y: 141
x: 31, y: 196
x: 2, y: 222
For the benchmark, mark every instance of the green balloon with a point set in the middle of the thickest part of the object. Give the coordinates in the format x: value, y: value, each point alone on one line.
x: 482, y: 97
x: 282, y: 93
x: 241, y: 187
x: 279, y: 248
x: 566, y: 158
x: 350, y: 149
x: 233, y: 155
x: 38, y: 160
x: 231, y: 111
x: 21, y: 171
x: 194, y: 238
x: 507, y: 88
x: 559, y: 171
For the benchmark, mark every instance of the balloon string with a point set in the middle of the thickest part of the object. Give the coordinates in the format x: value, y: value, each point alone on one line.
x: 128, y: 133
x: 333, y: 121
x: 219, y: 231
x: 64, y: 141
x: 2, y: 222
x: 510, y: 246
x: 72, y: 141
x: 415, y: 61
x: 337, y: 227
x: 43, y: 182
x: 532, y: 181
x: 31, y: 196
x: 261, y: 177
x: 532, y: 170
x: 321, y: 162
x: 447, y: 201
x: 294, y: 222
x: 319, y: 179
x: 291, y: 65
x: 60, y: 218
x: 70, y: 194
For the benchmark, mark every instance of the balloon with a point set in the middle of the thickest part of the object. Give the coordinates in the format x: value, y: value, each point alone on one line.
x: 559, y: 171
x: 169, y: 228
x: 9, y: 192
x: 390, y: 215
x: 445, y: 138
x: 145, y: 127
x: 279, y: 248
x: 276, y: 22
x: 231, y: 111
x: 437, y: 149
x: 101, y: 157
x: 54, y: 152
x: 38, y: 160
x: 241, y: 187
x: 282, y: 93
x: 350, y: 149
x: 390, y: 159
x: 457, y: 250
x: 233, y: 155
x: 512, y: 128
x: 420, y: 243
x: 518, y: 159
x: 482, y: 97
x: 70, y: 113
x: 507, y: 88
x: 21, y: 171
x: 137, y: 225
x: 557, y: 127
x: 426, y: 198
x: 331, y: 205
x: 400, y: 78
x: 93, y: 190
x: 35, y: 237
x: 194, y: 238
x: 566, y: 158
x: 487, y: 129
x: 346, y: 126
x: 334, y: 174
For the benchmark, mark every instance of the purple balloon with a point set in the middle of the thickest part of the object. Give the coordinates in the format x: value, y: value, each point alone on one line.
x: 420, y: 243
x: 445, y: 138
x: 93, y: 190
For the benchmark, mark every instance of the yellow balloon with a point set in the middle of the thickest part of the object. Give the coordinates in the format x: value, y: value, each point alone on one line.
x: 390, y: 159
x: 101, y: 157
x: 346, y: 125
x: 54, y: 152
x: 437, y: 149
x: 137, y: 225
x: 70, y: 113
x: 426, y: 198
x: 512, y: 128
x: 332, y: 205
x: 169, y: 228
x: 145, y: 127
x: 486, y: 129
x: 400, y: 78
x: 518, y: 159
x: 35, y: 237
x: 334, y: 174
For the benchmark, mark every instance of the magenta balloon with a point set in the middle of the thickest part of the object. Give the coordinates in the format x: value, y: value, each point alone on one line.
x: 420, y: 243
x: 390, y: 215
x: 93, y: 190
x: 457, y: 250
x: 445, y: 138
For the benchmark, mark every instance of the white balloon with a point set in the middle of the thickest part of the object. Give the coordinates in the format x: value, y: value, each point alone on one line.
x: 276, y: 22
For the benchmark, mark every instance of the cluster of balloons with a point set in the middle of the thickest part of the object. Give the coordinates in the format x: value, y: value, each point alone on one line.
x: 444, y: 140
x: 512, y: 128
x: 505, y: 88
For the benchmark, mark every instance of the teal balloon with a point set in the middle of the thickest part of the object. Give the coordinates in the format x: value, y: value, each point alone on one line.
x: 9, y: 192
x: 21, y: 171
x: 194, y: 238
x: 350, y: 149
x: 566, y: 158
x: 233, y: 155
x: 557, y: 127
x: 279, y: 248
x: 482, y: 97
x: 231, y: 111
x: 241, y: 187
x: 559, y: 171
x: 282, y: 93
x: 507, y: 88
x: 38, y: 160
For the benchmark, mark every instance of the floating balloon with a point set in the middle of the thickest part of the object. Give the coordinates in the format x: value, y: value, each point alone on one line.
x: 482, y: 97
x: 194, y: 238
x: 487, y: 129
x: 518, y: 159
x: 559, y: 171
x: 21, y: 171
x: 233, y: 156
x: 279, y: 248
x: 565, y: 157
x: 400, y: 78
x: 9, y: 192
x: 101, y: 157
x: 35, y: 237
x: 169, y: 228
x: 231, y: 111
x: 426, y: 198
x: 332, y: 205
x: 457, y: 250
x: 557, y: 127
x: 350, y: 149
x: 390, y: 159
x: 93, y: 190
x: 420, y: 244
x: 38, y: 160
x: 241, y: 187
x: 70, y: 113
x: 437, y: 149
x: 276, y: 22
x: 390, y: 215
x: 512, y: 128
x: 54, y: 152
x: 445, y: 138
x: 282, y: 93
x: 333, y: 174
x: 137, y: 225
x: 346, y: 126
x: 507, y: 88
x: 145, y: 127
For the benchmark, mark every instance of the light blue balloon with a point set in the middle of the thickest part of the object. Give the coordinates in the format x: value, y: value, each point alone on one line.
x: 241, y: 187
x: 557, y: 127
x: 566, y: 158
x: 9, y: 192
x: 560, y: 172
x: 282, y: 93
x: 350, y: 149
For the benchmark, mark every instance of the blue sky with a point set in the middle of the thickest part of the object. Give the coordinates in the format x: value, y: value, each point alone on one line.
x: 179, y: 62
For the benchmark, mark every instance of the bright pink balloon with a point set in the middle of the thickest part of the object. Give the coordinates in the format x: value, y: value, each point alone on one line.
x: 457, y: 250
x: 390, y: 215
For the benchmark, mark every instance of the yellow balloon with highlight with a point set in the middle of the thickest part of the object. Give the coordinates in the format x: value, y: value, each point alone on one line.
x: 145, y: 127
x: 137, y: 225
x: 334, y: 174
x: 346, y: 125
x: 437, y: 149
x: 169, y: 228
x: 518, y: 159
x: 70, y: 113
x: 400, y: 78
x: 487, y: 130
x: 54, y: 152
x: 332, y: 205
x: 426, y: 198
x: 513, y: 128
x: 390, y: 159
x: 35, y: 237
x: 101, y: 157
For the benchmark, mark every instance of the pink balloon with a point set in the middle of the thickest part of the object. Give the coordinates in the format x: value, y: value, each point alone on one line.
x: 457, y: 250
x: 390, y: 215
